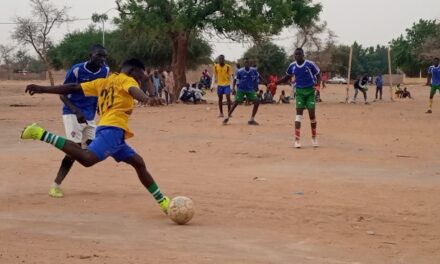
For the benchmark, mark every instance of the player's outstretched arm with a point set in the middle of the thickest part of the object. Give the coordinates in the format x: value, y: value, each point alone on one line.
x: 58, y: 89
x: 284, y: 79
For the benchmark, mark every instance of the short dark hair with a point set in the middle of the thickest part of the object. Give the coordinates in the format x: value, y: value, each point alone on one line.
x: 96, y: 47
x: 133, y: 63
x: 299, y: 49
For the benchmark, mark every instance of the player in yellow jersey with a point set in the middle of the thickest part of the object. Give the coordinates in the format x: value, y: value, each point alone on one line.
x: 116, y: 96
x: 222, y: 74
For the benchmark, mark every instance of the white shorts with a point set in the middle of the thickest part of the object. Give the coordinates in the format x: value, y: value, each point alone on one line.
x: 76, y: 132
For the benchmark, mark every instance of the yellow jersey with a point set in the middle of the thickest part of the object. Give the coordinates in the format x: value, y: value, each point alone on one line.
x: 115, y: 104
x: 223, y: 74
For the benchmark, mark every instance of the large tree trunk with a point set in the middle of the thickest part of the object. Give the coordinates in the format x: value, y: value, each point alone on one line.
x: 49, y: 72
x: 49, y: 69
x: 180, y: 51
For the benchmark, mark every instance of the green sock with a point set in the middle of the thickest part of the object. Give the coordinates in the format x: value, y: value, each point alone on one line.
x: 53, y: 139
x: 155, y: 191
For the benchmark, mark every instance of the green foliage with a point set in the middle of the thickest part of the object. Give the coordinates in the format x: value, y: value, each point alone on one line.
x: 74, y: 48
x: 253, y: 18
x: 407, y: 51
x: 370, y: 60
x: 270, y: 59
x: 36, y: 65
x: 155, y: 52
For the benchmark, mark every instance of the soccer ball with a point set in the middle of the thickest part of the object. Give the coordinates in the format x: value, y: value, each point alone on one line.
x: 181, y: 210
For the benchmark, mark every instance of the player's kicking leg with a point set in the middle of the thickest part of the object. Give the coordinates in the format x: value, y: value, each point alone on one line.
x: 147, y: 180
x: 36, y: 132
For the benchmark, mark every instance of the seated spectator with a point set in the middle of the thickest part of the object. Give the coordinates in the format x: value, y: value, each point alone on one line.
x: 283, y: 98
x: 186, y: 94
x: 268, y: 98
x: 260, y: 96
x: 198, y: 94
x: 398, y: 91
x: 405, y: 93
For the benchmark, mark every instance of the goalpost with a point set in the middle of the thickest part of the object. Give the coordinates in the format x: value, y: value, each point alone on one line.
x: 347, y: 98
x: 390, y: 77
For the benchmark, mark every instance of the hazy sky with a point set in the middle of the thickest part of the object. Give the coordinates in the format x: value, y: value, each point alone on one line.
x: 367, y: 22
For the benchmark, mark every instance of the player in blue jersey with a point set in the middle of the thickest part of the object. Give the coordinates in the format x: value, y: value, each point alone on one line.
x: 79, y: 110
x: 433, y: 81
x: 306, y: 77
x: 247, y: 78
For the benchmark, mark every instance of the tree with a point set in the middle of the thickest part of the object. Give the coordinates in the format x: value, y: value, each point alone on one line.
x: 309, y: 35
x: 21, y: 60
x: 155, y: 52
x: 100, y: 18
x: 36, y: 65
x: 407, y: 50
x: 430, y: 48
x: 270, y: 58
x: 74, y: 48
x: 35, y: 30
x: 178, y: 20
x: 6, y: 53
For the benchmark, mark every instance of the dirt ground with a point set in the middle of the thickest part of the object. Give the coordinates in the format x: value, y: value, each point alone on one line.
x: 369, y: 194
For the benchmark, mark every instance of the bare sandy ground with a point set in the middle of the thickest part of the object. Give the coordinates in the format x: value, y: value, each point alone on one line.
x: 369, y: 194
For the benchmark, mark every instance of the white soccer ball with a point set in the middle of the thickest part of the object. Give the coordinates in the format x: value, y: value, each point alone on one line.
x: 181, y: 210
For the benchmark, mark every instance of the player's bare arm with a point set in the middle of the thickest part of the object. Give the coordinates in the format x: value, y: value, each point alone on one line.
x: 137, y: 94
x: 285, y: 79
x: 58, y: 89
x: 79, y: 115
x: 318, y: 79
x: 428, y: 79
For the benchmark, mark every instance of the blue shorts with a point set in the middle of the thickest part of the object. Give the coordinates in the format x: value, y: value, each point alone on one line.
x: 109, y: 141
x: 223, y: 89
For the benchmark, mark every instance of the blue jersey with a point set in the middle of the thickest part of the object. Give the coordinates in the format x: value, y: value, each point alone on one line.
x: 247, y: 80
x: 86, y: 104
x: 435, y: 74
x: 379, y: 81
x: 305, y: 74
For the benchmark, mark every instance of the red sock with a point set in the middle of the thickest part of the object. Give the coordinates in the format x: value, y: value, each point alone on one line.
x: 297, y: 134
x: 313, y: 125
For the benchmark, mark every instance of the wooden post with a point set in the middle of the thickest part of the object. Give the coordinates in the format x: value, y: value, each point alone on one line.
x: 349, y: 75
x: 390, y: 77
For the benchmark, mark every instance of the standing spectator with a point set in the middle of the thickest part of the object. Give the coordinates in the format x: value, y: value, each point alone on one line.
x: 169, y: 85
x: 157, y: 84
x: 272, y: 84
x: 379, y: 86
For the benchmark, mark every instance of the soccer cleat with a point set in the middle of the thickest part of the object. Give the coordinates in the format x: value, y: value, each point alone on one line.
x: 32, y: 131
x: 315, y: 142
x: 253, y: 122
x: 165, y: 204
x: 56, y: 192
x: 225, y: 121
x: 297, y: 144
x: 429, y: 111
